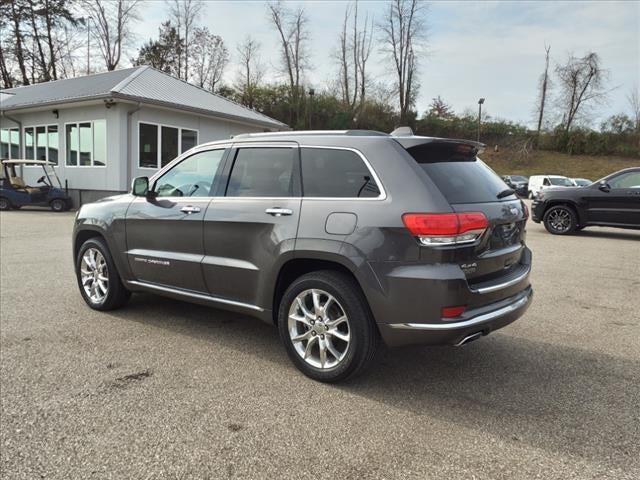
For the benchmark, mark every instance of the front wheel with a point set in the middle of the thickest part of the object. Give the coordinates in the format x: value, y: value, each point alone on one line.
x: 5, y: 204
x: 98, y: 278
x: 560, y: 220
x: 326, y: 326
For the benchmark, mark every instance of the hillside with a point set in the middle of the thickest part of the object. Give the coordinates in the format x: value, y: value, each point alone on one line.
x: 507, y: 162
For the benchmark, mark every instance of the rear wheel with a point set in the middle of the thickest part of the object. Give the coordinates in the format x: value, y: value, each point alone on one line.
x: 560, y: 220
x: 98, y: 278
x: 326, y: 326
x: 58, y: 205
x: 5, y: 204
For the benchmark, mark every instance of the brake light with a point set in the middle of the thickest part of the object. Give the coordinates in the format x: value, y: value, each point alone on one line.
x: 525, y: 209
x: 446, y: 228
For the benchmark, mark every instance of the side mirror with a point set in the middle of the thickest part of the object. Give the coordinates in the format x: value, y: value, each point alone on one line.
x: 604, y: 186
x: 140, y: 186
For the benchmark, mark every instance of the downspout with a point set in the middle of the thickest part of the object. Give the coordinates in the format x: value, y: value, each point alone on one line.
x: 129, y: 159
x: 20, y: 137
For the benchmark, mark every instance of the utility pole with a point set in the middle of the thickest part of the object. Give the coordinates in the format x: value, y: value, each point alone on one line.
x: 88, y: 45
x: 311, y: 94
x: 480, y: 102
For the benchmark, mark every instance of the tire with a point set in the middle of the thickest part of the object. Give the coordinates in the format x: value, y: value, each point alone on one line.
x: 58, y: 205
x: 560, y: 220
x: 342, y: 359
x: 530, y: 195
x: 5, y: 204
x: 116, y: 294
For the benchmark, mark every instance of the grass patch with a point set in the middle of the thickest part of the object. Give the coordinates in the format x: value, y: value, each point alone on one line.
x: 507, y: 162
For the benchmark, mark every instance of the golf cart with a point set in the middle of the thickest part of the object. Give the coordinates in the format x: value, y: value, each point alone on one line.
x: 14, y: 193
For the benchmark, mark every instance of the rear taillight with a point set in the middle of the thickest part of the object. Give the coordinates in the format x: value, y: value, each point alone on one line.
x: 525, y: 210
x: 446, y: 228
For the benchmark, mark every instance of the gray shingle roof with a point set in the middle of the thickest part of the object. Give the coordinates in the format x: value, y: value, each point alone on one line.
x: 142, y: 84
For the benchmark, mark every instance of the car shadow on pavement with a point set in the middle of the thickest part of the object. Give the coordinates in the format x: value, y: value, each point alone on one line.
x: 618, y: 234
x: 553, y: 397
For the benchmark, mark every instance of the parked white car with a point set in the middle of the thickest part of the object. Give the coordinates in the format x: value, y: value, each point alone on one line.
x: 538, y: 183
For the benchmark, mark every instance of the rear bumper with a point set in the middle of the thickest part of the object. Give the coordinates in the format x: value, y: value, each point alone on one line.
x: 479, y: 321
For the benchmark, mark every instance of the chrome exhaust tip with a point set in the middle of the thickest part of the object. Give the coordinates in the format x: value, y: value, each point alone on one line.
x: 468, y: 339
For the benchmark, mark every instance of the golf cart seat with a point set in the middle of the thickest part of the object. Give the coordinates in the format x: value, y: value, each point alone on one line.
x: 19, y: 184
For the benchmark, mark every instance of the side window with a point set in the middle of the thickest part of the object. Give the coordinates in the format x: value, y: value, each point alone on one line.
x: 192, y: 177
x: 546, y: 182
x: 262, y: 172
x: 336, y: 173
x: 626, y: 180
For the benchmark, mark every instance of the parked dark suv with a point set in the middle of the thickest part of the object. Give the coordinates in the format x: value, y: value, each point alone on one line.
x: 339, y: 238
x: 613, y: 201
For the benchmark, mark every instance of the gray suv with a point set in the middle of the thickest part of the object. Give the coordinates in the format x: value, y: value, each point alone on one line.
x: 340, y: 239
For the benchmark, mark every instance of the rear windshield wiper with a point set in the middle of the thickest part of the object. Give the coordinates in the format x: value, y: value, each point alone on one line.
x: 506, y: 193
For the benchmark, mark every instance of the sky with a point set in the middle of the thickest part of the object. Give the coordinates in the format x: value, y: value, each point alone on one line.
x: 487, y: 49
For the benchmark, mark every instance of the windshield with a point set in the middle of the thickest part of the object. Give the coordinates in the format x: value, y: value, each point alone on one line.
x: 561, y: 181
x: 53, y: 176
x: 458, y: 173
x: 518, y: 178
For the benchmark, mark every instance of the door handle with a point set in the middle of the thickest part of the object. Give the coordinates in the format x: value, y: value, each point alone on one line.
x: 189, y: 209
x: 278, y: 212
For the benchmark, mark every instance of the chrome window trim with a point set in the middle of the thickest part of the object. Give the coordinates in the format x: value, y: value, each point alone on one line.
x: 205, y: 147
x: 374, y: 175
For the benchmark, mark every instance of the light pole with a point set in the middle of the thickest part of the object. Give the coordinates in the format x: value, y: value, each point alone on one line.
x: 480, y: 102
x: 311, y: 94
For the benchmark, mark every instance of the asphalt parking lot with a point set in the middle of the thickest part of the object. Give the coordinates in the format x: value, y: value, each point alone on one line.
x: 164, y: 389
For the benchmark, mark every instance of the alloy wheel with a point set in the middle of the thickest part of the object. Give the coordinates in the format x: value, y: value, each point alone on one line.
x: 319, y: 329
x: 560, y: 220
x: 94, y: 275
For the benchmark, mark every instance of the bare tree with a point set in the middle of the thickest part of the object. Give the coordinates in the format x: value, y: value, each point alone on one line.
x: 251, y: 71
x: 403, y: 36
x: 544, y: 87
x: 17, y: 14
x: 582, y: 84
x: 292, y: 29
x: 633, y: 98
x: 112, y: 21
x: 184, y: 15
x: 209, y: 57
x: 353, y: 53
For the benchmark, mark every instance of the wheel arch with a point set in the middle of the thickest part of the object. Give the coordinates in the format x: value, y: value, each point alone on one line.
x: 301, y: 265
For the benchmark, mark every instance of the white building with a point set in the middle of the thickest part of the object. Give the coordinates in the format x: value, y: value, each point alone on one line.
x: 103, y: 130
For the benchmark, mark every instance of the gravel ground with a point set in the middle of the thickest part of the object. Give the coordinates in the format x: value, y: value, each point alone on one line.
x: 164, y: 389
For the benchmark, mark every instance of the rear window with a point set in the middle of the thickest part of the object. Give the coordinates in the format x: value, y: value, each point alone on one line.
x: 458, y: 173
x: 336, y: 173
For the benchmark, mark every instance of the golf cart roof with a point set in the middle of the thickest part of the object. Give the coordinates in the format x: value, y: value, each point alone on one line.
x: 25, y: 162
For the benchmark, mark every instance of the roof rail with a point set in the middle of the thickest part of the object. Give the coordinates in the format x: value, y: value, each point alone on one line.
x: 354, y: 133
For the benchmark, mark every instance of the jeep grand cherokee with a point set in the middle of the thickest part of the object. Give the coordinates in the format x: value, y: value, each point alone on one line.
x: 340, y: 239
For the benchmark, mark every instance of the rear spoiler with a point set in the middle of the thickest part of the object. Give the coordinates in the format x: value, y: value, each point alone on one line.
x: 414, y: 141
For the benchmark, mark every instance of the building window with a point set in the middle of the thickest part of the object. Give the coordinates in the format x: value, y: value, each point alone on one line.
x: 86, y: 144
x: 41, y: 143
x: 160, y: 144
x: 10, y: 143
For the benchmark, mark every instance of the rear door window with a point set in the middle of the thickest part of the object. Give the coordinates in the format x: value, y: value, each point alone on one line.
x: 262, y: 172
x: 458, y: 173
x: 336, y: 173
